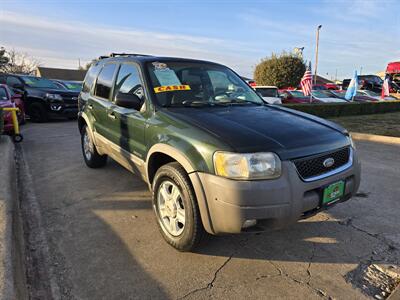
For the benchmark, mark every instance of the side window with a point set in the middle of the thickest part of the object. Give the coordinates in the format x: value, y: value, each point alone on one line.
x: 104, y: 81
x: 2, y: 79
x: 90, y: 77
x: 12, y: 81
x: 3, y: 94
x: 128, y: 81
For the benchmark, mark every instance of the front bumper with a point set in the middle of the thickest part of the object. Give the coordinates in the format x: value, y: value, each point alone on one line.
x: 226, y: 204
x: 64, y: 111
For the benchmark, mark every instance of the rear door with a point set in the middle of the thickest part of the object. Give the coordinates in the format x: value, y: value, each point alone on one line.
x: 100, y: 101
x: 128, y: 124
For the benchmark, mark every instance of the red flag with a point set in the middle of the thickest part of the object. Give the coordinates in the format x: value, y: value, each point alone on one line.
x: 385, y: 88
x: 306, y: 81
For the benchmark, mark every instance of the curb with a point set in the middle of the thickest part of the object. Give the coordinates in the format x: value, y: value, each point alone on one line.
x: 375, y: 138
x: 7, y: 193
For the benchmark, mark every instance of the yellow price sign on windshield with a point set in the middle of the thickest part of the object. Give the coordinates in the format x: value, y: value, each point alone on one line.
x: 171, y: 88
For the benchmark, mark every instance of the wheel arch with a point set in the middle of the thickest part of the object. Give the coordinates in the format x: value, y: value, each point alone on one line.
x: 161, y: 154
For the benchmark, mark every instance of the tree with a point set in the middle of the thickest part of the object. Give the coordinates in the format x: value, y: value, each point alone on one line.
x: 19, y: 63
x: 283, y: 70
x: 88, y: 65
x: 3, y: 58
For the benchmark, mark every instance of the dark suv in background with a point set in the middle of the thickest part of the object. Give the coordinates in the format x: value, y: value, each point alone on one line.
x: 366, y: 82
x: 42, y: 98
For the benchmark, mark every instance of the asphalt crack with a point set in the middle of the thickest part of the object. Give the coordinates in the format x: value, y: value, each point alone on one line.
x: 209, y: 285
x: 321, y: 293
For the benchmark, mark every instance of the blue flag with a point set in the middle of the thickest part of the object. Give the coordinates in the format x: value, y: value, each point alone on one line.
x: 352, y: 88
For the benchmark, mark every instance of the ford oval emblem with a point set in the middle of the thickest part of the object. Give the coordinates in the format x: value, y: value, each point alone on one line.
x: 329, y: 162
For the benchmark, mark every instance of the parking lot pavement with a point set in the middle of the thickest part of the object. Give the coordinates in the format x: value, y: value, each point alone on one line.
x: 104, y: 242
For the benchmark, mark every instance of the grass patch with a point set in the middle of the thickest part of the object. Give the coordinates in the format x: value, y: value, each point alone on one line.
x: 381, y: 124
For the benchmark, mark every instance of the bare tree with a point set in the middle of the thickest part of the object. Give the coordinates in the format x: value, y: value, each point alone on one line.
x: 19, y: 63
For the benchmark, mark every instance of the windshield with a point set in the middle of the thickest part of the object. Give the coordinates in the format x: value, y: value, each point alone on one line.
x: 340, y: 94
x: 298, y: 94
x: 73, y: 85
x: 370, y: 93
x: 267, y: 92
x: 320, y: 94
x: 38, y: 82
x: 198, y: 84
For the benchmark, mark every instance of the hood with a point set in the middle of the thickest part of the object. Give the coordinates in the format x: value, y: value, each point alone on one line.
x: 264, y: 128
x: 330, y: 100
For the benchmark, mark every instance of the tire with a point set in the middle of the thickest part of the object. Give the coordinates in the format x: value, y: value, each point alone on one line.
x: 92, y: 158
x: 38, y: 113
x: 183, y: 236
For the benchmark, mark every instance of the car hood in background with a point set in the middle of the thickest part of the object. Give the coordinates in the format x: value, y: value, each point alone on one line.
x: 272, y: 100
x: 262, y: 128
x: 330, y: 100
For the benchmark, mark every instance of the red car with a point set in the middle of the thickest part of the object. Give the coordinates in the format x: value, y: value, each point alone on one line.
x: 291, y: 96
x: 10, y: 99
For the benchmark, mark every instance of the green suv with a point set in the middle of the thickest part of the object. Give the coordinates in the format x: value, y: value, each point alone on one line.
x: 215, y: 156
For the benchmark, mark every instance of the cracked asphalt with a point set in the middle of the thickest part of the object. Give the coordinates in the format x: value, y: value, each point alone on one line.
x: 103, y: 242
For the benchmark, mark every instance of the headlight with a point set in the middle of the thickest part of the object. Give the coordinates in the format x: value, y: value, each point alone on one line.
x: 353, y: 145
x: 247, y: 166
x: 54, y: 97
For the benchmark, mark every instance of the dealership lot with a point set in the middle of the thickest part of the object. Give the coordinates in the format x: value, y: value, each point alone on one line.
x: 104, y: 243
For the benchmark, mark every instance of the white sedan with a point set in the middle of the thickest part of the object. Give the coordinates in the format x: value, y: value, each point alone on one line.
x: 325, y: 97
x: 269, y: 94
x: 374, y: 95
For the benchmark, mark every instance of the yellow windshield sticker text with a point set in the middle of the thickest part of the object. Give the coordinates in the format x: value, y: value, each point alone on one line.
x: 171, y: 88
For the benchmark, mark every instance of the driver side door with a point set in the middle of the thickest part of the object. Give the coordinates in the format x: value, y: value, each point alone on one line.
x: 128, y: 126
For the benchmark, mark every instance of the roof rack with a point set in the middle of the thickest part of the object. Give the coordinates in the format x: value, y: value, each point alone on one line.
x: 122, y: 54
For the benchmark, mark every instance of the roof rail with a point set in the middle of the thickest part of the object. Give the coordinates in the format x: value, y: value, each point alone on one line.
x: 122, y: 54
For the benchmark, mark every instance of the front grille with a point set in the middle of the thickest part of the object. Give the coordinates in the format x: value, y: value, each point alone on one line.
x: 313, y: 165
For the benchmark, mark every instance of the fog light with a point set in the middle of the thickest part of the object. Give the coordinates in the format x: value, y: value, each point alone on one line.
x: 55, y: 107
x: 249, y: 223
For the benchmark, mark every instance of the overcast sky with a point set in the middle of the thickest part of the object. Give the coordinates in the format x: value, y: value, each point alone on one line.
x: 354, y: 34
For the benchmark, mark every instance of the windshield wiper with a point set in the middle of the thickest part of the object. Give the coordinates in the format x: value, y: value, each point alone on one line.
x: 236, y: 101
x: 188, y: 103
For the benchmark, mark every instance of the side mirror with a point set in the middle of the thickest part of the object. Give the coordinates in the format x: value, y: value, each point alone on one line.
x: 128, y: 101
x: 18, y: 86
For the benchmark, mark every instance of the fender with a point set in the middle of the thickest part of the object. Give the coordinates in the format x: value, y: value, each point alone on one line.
x: 170, y: 151
x: 84, y: 116
x: 191, y: 171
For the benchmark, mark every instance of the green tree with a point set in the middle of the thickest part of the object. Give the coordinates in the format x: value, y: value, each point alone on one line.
x: 283, y: 70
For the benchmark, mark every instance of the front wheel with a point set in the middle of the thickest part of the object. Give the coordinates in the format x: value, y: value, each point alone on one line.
x: 92, y: 158
x: 176, y: 208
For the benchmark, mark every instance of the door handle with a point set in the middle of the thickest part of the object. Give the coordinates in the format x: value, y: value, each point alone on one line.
x: 90, y: 106
x: 111, y: 115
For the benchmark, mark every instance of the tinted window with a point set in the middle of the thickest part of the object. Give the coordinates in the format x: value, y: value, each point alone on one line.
x: 3, y: 94
x: 128, y: 81
x: 268, y: 92
x: 104, y: 81
x: 12, y: 81
x: 90, y: 77
x: 38, y: 82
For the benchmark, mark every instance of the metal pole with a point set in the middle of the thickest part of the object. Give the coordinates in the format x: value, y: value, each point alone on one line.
x: 316, y: 55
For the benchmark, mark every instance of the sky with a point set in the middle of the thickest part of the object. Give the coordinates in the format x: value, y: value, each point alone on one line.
x: 358, y: 35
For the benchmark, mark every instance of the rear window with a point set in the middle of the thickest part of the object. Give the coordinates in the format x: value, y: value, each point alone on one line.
x: 268, y: 92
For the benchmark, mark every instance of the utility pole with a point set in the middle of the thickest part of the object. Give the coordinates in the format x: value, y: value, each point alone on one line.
x: 336, y: 76
x: 79, y: 63
x: 316, y: 55
x: 360, y: 70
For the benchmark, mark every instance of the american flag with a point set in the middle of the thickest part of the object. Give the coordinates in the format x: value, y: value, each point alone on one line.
x: 306, y: 81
